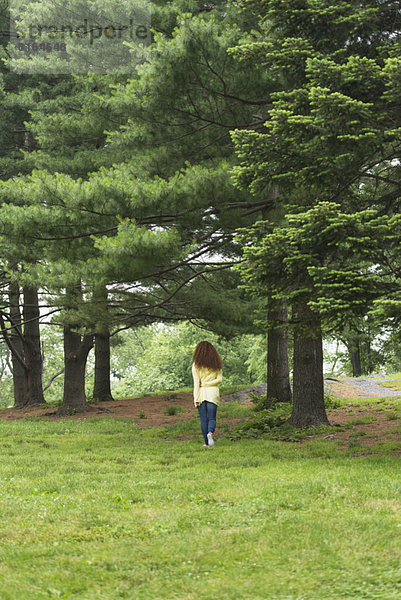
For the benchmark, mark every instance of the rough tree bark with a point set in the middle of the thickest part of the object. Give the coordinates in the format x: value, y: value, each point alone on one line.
x: 32, y: 347
x: 278, y: 376
x: 76, y: 350
x: 20, y: 379
x: 23, y: 341
x: 102, y: 388
x: 369, y: 365
x: 308, y: 387
x: 354, y: 350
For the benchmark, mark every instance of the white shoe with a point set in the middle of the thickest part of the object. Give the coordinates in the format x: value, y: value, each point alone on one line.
x: 210, y: 439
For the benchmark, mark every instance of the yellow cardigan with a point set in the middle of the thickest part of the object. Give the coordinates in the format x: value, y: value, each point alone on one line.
x: 209, y: 390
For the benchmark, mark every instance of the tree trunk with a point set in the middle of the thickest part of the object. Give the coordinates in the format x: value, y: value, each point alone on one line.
x: 20, y: 380
x: 102, y: 389
x: 278, y: 377
x: 308, y: 388
x: 32, y: 348
x: 355, y: 356
x: 76, y: 349
x: 369, y: 365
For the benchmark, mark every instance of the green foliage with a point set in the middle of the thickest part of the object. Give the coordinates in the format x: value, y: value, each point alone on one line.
x: 265, y: 422
x: 127, y: 180
x: 99, y: 137
x: 331, y: 402
x: 275, y: 259
x: 148, y: 359
x: 393, y: 416
x: 159, y: 357
x: 272, y: 423
x: 124, y: 502
x: 327, y: 158
x: 262, y: 402
x: 259, y: 402
x: 361, y: 420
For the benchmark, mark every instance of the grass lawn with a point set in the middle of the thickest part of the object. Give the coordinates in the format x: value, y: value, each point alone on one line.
x: 103, y: 509
x: 394, y: 385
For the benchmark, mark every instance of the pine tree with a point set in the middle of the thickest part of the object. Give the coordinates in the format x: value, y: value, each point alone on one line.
x: 188, y: 98
x: 20, y: 314
x: 325, y: 133
x: 174, y: 198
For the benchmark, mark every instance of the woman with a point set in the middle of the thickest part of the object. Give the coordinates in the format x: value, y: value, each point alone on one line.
x: 207, y: 374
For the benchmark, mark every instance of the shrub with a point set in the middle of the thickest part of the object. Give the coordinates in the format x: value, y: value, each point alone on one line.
x: 262, y: 423
x: 331, y: 402
x: 261, y: 402
x: 272, y: 423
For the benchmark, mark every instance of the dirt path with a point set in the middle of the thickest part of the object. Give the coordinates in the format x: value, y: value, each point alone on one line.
x: 346, y: 387
x: 371, y: 387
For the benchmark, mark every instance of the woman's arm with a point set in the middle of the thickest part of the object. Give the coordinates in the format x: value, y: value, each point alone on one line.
x: 196, y: 383
x: 218, y: 379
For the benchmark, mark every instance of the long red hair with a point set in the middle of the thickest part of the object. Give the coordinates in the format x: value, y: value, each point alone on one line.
x: 206, y: 355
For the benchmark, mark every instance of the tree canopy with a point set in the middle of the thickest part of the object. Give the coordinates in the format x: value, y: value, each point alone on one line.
x: 252, y: 139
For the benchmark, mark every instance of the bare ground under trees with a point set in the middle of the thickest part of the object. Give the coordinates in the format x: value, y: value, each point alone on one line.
x: 382, y: 428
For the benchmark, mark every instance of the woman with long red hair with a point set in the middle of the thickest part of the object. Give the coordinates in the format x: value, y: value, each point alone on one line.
x: 207, y: 374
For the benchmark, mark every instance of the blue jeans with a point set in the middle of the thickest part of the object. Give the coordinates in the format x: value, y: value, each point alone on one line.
x: 207, y: 413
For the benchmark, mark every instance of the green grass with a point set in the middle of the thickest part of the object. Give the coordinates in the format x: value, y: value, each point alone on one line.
x: 393, y: 415
x: 362, y: 420
x: 395, y: 375
x: 102, y: 510
x: 394, y: 385
x: 382, y: 401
